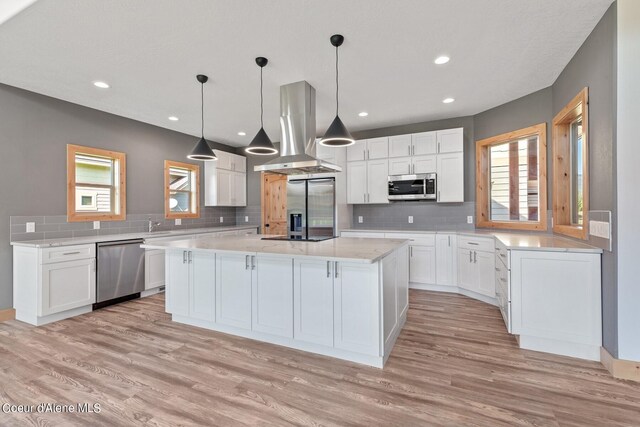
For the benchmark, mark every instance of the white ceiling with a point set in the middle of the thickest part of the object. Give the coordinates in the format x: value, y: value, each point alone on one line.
x: 149, y: 51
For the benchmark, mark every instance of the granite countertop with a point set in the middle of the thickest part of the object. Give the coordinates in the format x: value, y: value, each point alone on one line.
x: 516, y: 241
x: 344, y: 249
x: 114, y: 237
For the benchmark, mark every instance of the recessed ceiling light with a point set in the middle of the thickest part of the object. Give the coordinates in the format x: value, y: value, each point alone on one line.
x: 173, y: 118
x: 363, y: 114
x: 448, y: 100
x: 242, y: 133
x: 101, y: 85
x: 441, y: 60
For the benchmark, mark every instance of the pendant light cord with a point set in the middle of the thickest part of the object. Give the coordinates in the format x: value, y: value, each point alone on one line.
x: 337, y: 82
x: 261, y: 101
x: 202, y: 106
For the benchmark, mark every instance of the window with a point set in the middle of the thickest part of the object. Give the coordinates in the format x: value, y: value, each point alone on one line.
x: 511, y: 187
x: 181, y: 190
x: 96, y: 184
x: 571, y: 168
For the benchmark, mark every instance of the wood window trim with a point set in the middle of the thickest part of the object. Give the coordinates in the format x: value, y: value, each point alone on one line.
x: 561, y: 144
x: 168, y: 164
x: 121, y: 158
x: 482, y: 179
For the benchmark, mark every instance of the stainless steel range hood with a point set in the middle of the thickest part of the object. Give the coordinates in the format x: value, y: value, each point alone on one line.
x: 298, y: 142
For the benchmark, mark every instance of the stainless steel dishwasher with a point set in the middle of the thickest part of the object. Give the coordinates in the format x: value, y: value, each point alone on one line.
x: 120, y: 271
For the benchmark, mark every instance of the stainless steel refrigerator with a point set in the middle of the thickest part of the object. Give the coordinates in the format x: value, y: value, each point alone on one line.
x: 311, y: 209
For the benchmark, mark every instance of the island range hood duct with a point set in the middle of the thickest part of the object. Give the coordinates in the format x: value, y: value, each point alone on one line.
x: 298, y: 141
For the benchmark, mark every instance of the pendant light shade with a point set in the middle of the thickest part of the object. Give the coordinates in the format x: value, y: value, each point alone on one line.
x: 337, y: 135
x: 261, y: 145
x: 202, y: 150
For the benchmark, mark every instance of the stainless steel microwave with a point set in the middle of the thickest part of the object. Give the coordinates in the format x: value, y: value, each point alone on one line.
x: 413, y: 187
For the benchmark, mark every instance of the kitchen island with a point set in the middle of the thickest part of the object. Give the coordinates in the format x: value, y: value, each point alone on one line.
x: 345, y: 297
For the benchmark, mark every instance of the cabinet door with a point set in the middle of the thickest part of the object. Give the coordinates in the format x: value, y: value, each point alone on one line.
x: 224, y: 187
x: 233, y: 290
x: 466, y: 270
x: 357, y: 308
x: 450, y: 140
x: 239, y: 189
x: 67, y: 285
x: 202, y: 286
x: 450, y: 178
x: 422, y: 264
x: 400, y: 166
x: 378, y: 148
x: 177, y: 282
x: 377, y: 181
x: 424, y: 143
x: 424, y: 164
x: 356, y: 182
x: 486, y: 273
x: 400, y: 146
x: 210, y: 184
x: 239, y: 163
x: 445, y: 259
x: 272, y: 296
x: 153, y: 268
x: 357, y: 151
x: 313, y: 301
x: 224, y: 160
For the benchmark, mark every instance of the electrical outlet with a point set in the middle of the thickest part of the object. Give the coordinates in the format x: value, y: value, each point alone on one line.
x: 96, y: 225
x: 246, y: 219
x: 360, y: 220
x: 221, y: 219
x: 470, y: 219
x: 410, y: 219
x: 31, y: 227
x: 178, y: 221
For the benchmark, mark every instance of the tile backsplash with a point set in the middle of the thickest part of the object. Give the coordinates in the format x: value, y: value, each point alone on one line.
x: 57, y: 227
x: 426, y: 216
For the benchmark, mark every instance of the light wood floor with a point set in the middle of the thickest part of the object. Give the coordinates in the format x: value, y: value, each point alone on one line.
x: 454, y: 364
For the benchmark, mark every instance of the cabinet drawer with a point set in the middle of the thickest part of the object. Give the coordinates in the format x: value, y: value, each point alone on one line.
x: 67, y: 253
x: 416, y: 239
x: 476, y: 243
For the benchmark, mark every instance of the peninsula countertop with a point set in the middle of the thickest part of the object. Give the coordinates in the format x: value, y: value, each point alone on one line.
x: 344, y: 249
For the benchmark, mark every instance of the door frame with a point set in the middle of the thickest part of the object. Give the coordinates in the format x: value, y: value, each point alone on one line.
x: 263, y: 205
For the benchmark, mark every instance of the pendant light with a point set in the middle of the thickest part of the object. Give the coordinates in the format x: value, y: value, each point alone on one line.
x: 261, y: 145
x: 202, y: 150
x: 337, y: 135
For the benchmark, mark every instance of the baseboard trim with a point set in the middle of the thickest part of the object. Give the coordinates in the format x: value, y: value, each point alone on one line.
x: 621, y: 369
x: 7, y: 314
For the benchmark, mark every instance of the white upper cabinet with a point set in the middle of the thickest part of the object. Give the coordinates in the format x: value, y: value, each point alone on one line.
x: 450, y: 140
x: 378, y: 148
x: 357, y: 151
x: 357, y: 182
x: 225, y: 180
x: 400, y: 146
x: 424, y: 164
x: 400, y: 166
x: 424, y: 143
x: 377, y: 182
x: 450, y: 172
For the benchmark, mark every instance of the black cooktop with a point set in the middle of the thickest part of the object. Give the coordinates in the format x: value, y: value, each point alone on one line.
x: 300, y: 238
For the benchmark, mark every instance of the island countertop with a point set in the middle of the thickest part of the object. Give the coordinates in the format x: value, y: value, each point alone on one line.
x: 345, y: 249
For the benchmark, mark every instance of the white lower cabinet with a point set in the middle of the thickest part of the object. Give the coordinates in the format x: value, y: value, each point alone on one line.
x: 67, y: 285
x: 476, y: 271
x: 446, y: 248
x: 422, y: 264
x: 272, y: 295
x: 356, y: 308
x: 313, y: 301
x: 154, y: 273
x: 233, y: 289
x: 191, y: 284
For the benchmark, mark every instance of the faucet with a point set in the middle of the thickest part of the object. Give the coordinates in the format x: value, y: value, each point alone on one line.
x: 152, y: 225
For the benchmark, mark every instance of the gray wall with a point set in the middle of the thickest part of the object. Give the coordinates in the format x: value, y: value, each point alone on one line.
x: 594, y: 66
x: 34, y: 132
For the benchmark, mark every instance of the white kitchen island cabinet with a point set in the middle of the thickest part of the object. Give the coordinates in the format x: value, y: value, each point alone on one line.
x: 343, y: 298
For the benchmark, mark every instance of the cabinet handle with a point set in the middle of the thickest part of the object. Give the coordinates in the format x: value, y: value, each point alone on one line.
x: 472, y: 243
x: 438, y: 195
x: 93, y: 264
x: 411, y: 251
x: 364, y: 154
x: 335, y: 266
x: 246, y: 262
x: 438, y: 147
x: 497, y: 269
x: 470, y: 256
x: 409, y: 147
x: 253, y: 262
x: 328, y: 268
x: 184, y: 257
x: 449, y: 240
x: 368, y: 155
x: 475, y: 257
x: 190, y: 257
x: 71, y: 253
